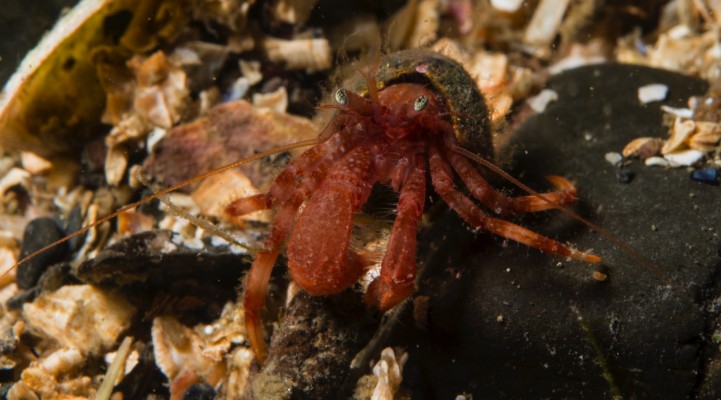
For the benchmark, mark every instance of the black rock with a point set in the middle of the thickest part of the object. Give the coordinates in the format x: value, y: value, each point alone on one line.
x: 39, y: 233
x: 200, y: 391
x: 24, y: 296
x: 157, y: 257
x: 706, y: 175
x: 507, y: 321
x: 625, y: 176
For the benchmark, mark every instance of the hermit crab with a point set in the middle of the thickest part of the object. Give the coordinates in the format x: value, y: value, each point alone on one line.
x: 418, y: 119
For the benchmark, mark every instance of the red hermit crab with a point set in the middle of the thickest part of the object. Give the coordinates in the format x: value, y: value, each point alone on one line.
x: 407, y: 123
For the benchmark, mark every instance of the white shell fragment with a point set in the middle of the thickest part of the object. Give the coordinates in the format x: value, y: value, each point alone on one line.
x: 643, y: 147
x: 79, y: 316
x: 545, y: 22
x: 652, y: 92
x: 539, y: 102
x: 679, y: 112
x: 389, y: 371
x: 507, y: 5
x: 301, y: 54
x: 15, y: 176
x: 33, y: 163
x: 179, y: 350
x: 276, y: 101
x: 679, y: 134
x: 707, y: 136
x: 684, y: 158
x: 657, y: 161
x: 613, y: 158
x: 580, y: 55
x: 62, y: 361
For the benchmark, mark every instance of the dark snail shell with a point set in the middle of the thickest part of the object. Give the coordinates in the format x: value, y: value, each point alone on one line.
x: 468, y: 111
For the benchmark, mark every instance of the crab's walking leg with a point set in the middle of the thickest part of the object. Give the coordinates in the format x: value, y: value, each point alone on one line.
x: 256, y: 287
x: 501, y: 204
x: 398, y: 269
x: 442, y: 180
x: 318, y: 257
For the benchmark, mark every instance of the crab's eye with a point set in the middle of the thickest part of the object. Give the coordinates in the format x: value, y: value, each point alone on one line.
x: 341, y: 96
x: 420, y: 103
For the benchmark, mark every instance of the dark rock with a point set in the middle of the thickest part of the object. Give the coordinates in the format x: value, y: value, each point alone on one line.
x: 55, y: 277
x: 39, y: 233
x: 200, y: 391
x: 310, y: 353
x: 508, y: 321
x: 73, y: 223
x: 157, y: 257
x: 16, y: 302
x: 624, y: 176
x: 706, y: 175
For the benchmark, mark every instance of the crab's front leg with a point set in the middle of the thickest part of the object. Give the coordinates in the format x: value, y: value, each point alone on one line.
x: 256, y: 286
x: 442, y: 179
x: 502, y: 204
x: 398, y: 269
x: 308, y: 168
x: 318, y: 257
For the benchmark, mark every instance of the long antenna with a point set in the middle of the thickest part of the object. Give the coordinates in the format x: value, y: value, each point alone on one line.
x: 604, y: 233
x: 165, y: 191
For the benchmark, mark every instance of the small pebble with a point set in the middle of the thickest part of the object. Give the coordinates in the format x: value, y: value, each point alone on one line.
x: 653, y: 92
x: 657, y: 161
x: 599, y: 276
x: 201, y: 391
x: 706, y: 175
x: 613, y: 158
x: 39, y: 233
x: 625, y: 176
x: 540, y: 102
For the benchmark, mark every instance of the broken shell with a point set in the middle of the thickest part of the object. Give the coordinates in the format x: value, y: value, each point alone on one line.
x: 295, y: 12
x: 239, y: 363
x: 539, y: 102
x: 580, y: 55
x: 300, y: 54
x: 678, y: 112
x: 276, y: 101
x: 613, y: 158
x: 33, y: 163
x: 679, y: 134
x: 80, y: 316
x: 61, y: 361
x: 414, y: 25
x: 130, y: 362
x: 251, y: 71
x: 179, y: 350
x: 116, y: 161
x: 389, y: 372
x: 657, y: 161
x: 507, y: 5
x: 545, y: 22
x: 15, y: 176
x: 643, y: 148
x: 229, y: 132
x: 599, y: 276
x: 216, y: 192
x: 161, y: 91
x: 684, y: 158
x: 707, y: 136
